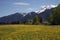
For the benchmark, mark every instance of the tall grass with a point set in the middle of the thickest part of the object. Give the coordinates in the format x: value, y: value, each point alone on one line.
x: 29, y: 32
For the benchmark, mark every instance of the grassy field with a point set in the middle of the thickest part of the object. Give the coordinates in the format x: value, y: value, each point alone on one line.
x: 29, y: 32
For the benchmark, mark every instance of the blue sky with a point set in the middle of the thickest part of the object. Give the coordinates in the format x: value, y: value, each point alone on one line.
x: 8, y: 7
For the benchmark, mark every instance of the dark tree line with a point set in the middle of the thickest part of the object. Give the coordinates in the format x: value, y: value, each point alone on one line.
x: 54, y: 17
x: 36, y: 20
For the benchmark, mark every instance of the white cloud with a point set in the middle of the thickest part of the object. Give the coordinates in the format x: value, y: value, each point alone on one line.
x: 21, y: 3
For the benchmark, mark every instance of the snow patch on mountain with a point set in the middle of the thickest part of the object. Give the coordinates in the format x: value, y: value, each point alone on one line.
x: 43, y: 8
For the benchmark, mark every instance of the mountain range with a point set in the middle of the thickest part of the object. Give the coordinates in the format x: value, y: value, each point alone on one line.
x: 42, y: 13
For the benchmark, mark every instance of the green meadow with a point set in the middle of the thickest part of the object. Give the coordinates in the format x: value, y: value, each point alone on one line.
x: 29, y: 32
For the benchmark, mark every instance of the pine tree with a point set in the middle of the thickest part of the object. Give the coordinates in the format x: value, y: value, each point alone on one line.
x: 29, y: 21
x: 36, y: 20
x: 54, y: 17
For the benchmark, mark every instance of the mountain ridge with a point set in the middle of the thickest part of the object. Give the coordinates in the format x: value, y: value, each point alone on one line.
x: 25, y: 16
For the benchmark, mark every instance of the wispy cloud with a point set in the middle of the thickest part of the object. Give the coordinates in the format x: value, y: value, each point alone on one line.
x: 21, y: 3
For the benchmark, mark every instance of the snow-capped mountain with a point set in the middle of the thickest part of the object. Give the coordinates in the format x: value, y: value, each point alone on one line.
x: 43, y: 8
x: 43, y: 13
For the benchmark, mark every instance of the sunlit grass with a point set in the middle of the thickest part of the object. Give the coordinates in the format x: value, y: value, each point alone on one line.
x: 29, y: 32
